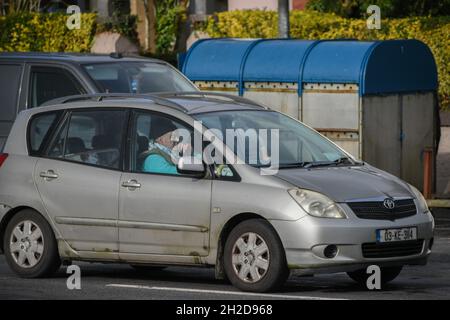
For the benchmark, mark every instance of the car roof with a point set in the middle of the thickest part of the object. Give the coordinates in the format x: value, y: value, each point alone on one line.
x: 74, y: 57
x: 189, y: 103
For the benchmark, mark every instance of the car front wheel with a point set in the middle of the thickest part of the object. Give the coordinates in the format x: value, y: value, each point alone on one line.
x: 254, y: 258
x: 30, y: 246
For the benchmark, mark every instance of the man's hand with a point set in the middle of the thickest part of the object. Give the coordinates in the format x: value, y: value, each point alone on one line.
x: 183, y: 149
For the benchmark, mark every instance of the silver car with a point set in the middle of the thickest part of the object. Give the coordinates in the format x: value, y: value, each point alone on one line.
x: 109, y: 178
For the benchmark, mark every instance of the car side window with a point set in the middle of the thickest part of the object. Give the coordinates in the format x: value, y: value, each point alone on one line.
x: 9, y: 83
x: 47, y: 83
x: 39, y: 129
x: 225, y: 172
x: 91, y: 137
x: 157, y: 143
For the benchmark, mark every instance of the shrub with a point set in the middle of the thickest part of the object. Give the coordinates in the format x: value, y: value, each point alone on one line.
x: 126, y: 25
x: 170, y: 14
x: 434, y: 31
x: 45, y: 32
x: 389, y: 8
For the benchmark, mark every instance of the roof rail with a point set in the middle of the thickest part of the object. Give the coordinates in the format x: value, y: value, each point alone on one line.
x: 230, y: 97
x: 102, y: 96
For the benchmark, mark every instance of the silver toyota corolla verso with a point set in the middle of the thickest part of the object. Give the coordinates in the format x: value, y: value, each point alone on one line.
x: 163, y: 180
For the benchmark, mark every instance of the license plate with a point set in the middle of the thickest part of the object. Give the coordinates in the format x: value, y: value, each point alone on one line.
x: 401, y: 234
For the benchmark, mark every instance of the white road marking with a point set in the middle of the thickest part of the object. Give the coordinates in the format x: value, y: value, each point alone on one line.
x: 261, y: 295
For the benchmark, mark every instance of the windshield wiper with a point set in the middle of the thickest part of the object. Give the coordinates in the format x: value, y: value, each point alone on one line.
x: 308, y: 164
x: 342, y: 160
x: 294, y: 165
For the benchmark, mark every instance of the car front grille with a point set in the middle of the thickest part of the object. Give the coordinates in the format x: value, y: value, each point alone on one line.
x: 392, y: 249
x: 376, y: 209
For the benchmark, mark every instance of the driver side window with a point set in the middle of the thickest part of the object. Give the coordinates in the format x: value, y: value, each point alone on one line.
x: 91, y: 137
x: 158, y: 143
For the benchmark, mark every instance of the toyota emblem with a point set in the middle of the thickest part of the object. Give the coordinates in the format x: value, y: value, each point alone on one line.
x: 389, y: 203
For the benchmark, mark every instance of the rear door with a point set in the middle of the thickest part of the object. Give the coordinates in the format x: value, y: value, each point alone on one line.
x: 10, y: 78
x: 79, y: 176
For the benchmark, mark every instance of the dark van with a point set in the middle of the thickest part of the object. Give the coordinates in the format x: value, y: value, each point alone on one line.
x: 28, y: 80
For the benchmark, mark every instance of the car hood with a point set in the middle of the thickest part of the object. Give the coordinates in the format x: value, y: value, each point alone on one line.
x: 347, y: 183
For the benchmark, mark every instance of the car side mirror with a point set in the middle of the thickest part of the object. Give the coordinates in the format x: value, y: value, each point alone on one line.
x: 191, y: 166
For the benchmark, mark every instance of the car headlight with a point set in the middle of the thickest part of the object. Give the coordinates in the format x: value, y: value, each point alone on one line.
x: 317, y: 204
x: 422, y: 203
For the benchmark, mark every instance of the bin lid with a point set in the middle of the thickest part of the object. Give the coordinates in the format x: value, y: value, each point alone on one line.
x: 378, y: 67
x: 216, y: 60
x: 276, y: 60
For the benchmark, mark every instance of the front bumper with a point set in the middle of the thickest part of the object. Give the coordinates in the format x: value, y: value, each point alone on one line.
x: 304, y: 241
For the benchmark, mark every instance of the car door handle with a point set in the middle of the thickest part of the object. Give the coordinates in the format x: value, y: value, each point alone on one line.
x: 49, y: 175
x: 131, y: 184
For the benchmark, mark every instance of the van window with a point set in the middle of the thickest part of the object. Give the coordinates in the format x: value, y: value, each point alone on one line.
x: 137, y: 77
x: 9, y: 88
x: 92, y: 137
x: 39, y: 129
x: 51, y: 83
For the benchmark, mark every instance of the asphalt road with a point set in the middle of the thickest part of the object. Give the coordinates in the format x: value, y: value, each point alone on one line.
x: 115, y: 281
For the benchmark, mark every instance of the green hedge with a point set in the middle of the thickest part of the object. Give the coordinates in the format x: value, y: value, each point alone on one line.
x: 434, y: 31
x: 45, y: 32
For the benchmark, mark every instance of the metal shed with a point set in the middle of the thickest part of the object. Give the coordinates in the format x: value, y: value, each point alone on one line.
x: 376, y: 99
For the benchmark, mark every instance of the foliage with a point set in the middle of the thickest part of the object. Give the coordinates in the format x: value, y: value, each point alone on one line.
x: 45, y: 32
x: 126, y: 25
x: 17, y: 6
x: 121, y: 21
x: 389, y: 8
x: 169, y: 13
x: 434, y: 31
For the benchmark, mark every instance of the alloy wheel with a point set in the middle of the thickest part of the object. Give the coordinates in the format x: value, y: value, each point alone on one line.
x: 26, y: 244
x: 250, y: 257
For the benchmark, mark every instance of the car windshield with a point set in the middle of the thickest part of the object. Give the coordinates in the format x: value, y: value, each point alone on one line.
x: 137, y: 77
x: 299, y: 146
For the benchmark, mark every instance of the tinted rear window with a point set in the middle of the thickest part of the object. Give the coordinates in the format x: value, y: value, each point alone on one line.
x: 49, y: 83
x: 9, y: 87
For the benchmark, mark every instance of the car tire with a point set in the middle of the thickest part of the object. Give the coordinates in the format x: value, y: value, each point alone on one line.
x: 146, y: 268
x: 387, y: 275
x: 254, y: 257
x: 31, y: 255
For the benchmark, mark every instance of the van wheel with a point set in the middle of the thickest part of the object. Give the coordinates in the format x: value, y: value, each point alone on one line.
x: 30, y: 246
x: 387, y: 275
x: 254, y: 258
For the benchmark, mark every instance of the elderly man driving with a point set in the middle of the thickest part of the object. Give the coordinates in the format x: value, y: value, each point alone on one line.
x: 165, y: 148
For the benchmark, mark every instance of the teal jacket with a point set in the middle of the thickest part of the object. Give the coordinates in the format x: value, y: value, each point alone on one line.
x: 159, y: 160
x: 156, y: 163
